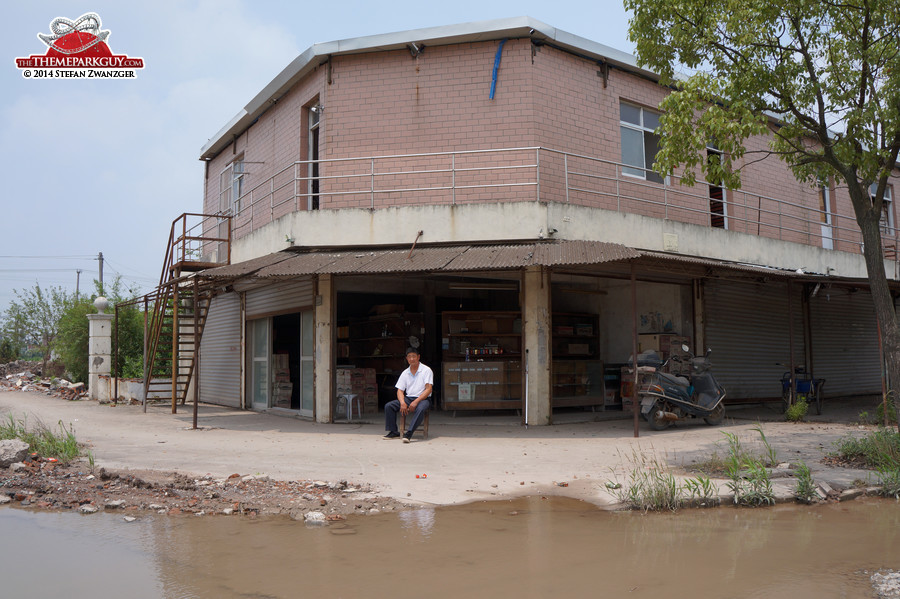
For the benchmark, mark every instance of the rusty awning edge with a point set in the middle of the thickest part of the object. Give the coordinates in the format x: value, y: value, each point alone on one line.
x: 424, y: 258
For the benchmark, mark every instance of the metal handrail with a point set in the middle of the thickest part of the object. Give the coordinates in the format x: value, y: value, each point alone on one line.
x: 573, y: 175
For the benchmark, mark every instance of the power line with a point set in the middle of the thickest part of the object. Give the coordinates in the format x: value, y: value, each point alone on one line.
x: 37, y: 270
x: 49, y: 257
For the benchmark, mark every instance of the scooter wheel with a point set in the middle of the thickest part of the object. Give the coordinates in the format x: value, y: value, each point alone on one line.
x: 716, y: 417
x: 657, y: 423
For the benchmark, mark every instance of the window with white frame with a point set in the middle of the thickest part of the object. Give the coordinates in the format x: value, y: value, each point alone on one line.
x: 639, y: 142
x: 231, y: 184
x: 887, y: 209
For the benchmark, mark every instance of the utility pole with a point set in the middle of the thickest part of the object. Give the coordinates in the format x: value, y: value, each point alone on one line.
x: 77, y: 282
x: 100, y: 258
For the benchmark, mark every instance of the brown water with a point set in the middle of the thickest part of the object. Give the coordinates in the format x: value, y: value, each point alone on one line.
x: 531, y: 547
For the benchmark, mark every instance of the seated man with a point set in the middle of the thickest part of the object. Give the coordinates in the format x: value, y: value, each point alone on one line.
x: 413, y: 388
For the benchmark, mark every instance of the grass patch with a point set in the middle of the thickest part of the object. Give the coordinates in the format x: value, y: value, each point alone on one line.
x: 651, y: 486
x: 748, y: 473
x: 46, y: 442
x: 889, y: 479
x: 806, y: 487
x: 796, y: 411
x: 878, y: 450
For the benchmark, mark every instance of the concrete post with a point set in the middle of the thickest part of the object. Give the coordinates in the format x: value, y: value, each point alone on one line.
x: 324, y: 352
x: 99, y: 350
x: 536, y: 330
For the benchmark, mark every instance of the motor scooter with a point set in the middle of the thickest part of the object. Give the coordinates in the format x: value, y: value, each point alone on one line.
x: 666, y: 397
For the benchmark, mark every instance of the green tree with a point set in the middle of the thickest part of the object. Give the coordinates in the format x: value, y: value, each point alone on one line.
x: 7, y: 351
x: 821, y: 79
x: 73, y: 340
x: 12, y: 327
x: 35, y: 315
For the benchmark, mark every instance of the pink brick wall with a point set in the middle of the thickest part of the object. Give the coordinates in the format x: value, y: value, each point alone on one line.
x: 384, y: 104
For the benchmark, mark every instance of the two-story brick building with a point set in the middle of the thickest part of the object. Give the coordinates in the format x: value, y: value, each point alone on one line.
x: 482, y: 191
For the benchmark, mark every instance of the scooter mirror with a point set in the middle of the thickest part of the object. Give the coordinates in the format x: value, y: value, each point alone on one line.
x: 685, y: 348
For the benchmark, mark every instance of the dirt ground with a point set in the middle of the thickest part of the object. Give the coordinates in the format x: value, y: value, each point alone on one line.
x: 45, y: 485
x: 248, y: 463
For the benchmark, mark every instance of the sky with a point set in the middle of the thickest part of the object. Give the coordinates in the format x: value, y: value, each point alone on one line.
x: 105, y: 166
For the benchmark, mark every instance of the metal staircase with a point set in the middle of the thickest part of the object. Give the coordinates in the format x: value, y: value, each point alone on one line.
x: 176, y: 311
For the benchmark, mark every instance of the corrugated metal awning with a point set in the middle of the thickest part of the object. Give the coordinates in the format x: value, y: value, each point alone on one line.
x: 456, y: 258
x: 712, y: 263
x: 246, y: 268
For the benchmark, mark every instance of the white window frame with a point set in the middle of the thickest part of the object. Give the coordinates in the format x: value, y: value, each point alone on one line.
x: 643, y: 171
x: 887, y: 209
x: 825, y: 199
x: 231, y: 180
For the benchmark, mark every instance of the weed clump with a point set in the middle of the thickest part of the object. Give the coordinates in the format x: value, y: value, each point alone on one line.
x: 797, y: 411
x: 806, y: 487
x: 879, y: 449
x: 46, y: 442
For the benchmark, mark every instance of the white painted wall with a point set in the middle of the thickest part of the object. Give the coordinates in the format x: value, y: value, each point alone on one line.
x: 525, y: 220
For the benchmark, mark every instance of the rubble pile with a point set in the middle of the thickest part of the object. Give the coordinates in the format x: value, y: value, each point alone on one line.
x: 44, y: 483
x: 31, y: 380
x: 20, y: 366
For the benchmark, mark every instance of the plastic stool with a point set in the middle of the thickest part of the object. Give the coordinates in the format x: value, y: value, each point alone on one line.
x: 349, y: 398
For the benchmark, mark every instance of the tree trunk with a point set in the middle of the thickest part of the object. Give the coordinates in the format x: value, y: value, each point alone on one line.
x: 881, y: 297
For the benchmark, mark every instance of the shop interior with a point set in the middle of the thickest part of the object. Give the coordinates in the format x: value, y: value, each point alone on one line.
x: 469, y: 331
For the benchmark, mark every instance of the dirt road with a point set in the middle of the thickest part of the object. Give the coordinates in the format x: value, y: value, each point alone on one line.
x: 463, y: 460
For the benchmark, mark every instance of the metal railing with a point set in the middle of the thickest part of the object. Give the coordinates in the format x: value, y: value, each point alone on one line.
x: 535, y: 174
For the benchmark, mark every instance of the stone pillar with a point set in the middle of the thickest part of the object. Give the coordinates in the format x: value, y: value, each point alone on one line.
x: 324, y: 353
x: 99, y: 350
x: 536, y: 330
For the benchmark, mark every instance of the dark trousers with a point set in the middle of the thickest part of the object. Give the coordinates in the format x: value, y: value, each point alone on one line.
x: 393, y: 407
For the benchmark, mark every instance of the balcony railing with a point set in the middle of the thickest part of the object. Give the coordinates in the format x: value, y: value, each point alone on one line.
x: 532, y: 174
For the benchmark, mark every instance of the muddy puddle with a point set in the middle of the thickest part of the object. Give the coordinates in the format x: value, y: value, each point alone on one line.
x: 531, y: 547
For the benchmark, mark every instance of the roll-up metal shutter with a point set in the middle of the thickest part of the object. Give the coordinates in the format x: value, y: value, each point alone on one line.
x: 280, y: 298
x: 220, y: 352
x: 845, y: 342
x: 747, y: 330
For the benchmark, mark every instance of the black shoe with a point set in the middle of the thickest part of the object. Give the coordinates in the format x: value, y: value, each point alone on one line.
x: 392, y: 435
x: 407, y: 437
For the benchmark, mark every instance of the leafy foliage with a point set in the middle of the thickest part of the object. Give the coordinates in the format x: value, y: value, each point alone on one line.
x: 814, y: 83
x: 74, y: 335
x: 8, y: 352
x: 33, y: 317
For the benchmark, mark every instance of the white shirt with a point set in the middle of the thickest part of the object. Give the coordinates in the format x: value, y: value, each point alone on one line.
x: 414, y: 384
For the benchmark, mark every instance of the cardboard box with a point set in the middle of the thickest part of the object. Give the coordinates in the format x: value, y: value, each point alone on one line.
x: 579, y: 349
x: 383, y: 309
x: 489, y: 326
x: 563, y: 330
x: 662, y: 342
x: 343, y: 332
x: 474, y: 326
x: 584, y: 330
x: 456, y: 326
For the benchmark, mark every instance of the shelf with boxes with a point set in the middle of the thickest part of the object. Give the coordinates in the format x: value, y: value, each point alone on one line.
x: 380, y: 337
x: 379, y: 342
x: 361, y: 382
x: 282, y: 387
x: 576, y: 375
x: 482, y: 353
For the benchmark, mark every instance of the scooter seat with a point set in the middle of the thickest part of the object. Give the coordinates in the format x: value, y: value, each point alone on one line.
x: 678, y: 380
